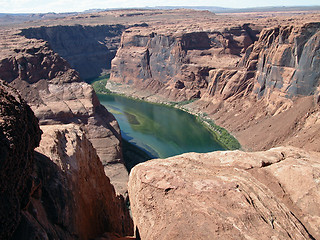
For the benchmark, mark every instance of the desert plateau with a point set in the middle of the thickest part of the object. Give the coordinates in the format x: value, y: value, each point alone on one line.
x: 160, y: 123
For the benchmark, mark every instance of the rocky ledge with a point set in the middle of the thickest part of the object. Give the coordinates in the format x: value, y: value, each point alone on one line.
x: 58, y: 192
x: 228, y: 195
x: 57, y: 95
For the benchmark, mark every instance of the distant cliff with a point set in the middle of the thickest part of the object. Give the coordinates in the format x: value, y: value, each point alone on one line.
x: 88, y: 49
x: 177, y: 65
x: 247, y: 78
x: 284, y: 62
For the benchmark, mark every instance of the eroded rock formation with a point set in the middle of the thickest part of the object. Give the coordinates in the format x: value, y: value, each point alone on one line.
x: 175, y: 64
x: 57, y: 95
x: 71, y: 197
x: 228, y: 195
x: 249, y: 79
x: 58, y: 192
x: 262, y: 84
x: 283, y: 63
x: 273, y: 91
x: 88, y: 49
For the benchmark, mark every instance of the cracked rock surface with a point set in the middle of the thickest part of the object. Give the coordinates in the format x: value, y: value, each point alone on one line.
x: 228, y: 195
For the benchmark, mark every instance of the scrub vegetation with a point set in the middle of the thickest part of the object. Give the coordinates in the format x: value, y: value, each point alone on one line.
x: 99, y: 85
x: 222, y: 135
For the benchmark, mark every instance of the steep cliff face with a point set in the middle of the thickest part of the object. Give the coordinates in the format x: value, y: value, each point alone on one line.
x: 58, y: 96
x: 33, y: 63
x: 59, y: 192
x: 273, y: 92
x: 282, y: 59
x: 71, y: 197
x: 88, y: 49
x: 176, y: 64
x: 20, y: 135
x: 228, y: 195
x: 288, y: 60
x: 282, y: 63
x: 248, y: 81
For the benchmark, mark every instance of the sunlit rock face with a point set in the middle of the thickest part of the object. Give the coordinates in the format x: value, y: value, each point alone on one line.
x: 175, y: 63
x: 59, y: 190
x: 57, y: 95
x: 228, y: 195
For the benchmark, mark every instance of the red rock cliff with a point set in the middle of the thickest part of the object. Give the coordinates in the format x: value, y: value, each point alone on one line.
x: 58, y: 96
x: 20, y: 135
x: 250, y: 81
x: 58, y: 192
x: 175, y: 63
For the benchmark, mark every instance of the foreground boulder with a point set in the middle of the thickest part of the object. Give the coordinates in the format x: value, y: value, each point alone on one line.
x: 228, y: 195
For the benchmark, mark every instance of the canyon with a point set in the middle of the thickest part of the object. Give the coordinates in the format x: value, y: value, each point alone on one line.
x: 255, y: 74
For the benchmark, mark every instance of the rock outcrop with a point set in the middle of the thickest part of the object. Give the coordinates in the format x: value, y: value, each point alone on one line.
x: 88, y: 49
x: 71, y: 197
x: 20, y: 135
x: 58, y: 192
x: 273, y: 91
x: 175, y: 63
x: 57, y: 95
x: 228, y: 195
x: 283, y: 63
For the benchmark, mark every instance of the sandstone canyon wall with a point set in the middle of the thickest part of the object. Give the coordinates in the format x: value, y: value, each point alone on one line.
x: 57, y: 95
x: 58, y: 192
x: 175, y: 64
x: 273, y: 92
x: 247, y: 78
x: 228, y: 195
x: 260, y: 83
x: 88, y: 49
x: 20, y: 134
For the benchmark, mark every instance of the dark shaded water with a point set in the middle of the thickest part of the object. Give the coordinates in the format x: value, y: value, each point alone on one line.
x: 160, y: 130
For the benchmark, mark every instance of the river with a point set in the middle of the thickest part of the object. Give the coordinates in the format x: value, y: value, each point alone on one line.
x: 159, y: 130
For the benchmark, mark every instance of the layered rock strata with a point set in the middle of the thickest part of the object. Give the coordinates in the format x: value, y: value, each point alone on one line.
x: 283, y: 63
x: 88, y: 49
x: 262, y: 85
x: 228, y: 195
x: 58, y: 96
x: 273, y: 92
x: 71, y: 197
x: 175, y: 64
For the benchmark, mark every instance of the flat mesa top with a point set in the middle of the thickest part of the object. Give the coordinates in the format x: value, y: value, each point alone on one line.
x: 187, y: 17
x: 160, y: 21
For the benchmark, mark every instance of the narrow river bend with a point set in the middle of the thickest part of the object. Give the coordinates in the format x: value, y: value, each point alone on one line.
x: 159, y: 130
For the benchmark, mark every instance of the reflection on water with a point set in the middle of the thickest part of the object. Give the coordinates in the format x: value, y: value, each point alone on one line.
x: 160, y: 130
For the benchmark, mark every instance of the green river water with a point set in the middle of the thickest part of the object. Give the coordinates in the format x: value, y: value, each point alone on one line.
x: 159, y: 130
